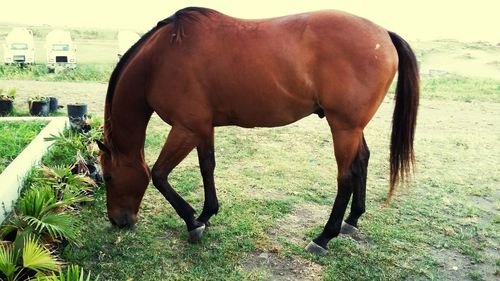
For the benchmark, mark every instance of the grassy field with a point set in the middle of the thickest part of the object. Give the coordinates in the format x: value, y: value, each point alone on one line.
x: 15, y: 137
x: 276, y: 187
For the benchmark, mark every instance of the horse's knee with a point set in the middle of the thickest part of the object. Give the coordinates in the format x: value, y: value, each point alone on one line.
x: 158, y: 176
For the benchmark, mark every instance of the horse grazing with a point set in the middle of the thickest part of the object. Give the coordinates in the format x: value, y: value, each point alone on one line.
x: 199, y: 69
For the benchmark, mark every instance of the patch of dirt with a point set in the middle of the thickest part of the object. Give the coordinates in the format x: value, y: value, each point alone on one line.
x: 293, y: 227
x: 281, y: 269
x: 478, y: 63
x: 456, y: 266
x: 488, y: 204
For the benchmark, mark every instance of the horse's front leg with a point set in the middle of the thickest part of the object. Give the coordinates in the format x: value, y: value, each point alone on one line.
x: 180, y: 142
x: 206, y: 158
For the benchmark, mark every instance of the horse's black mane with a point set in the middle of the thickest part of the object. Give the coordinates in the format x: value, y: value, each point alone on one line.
x: 189, y: 13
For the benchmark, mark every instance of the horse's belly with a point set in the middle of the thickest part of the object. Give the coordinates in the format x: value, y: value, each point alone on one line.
x: 255, y: 114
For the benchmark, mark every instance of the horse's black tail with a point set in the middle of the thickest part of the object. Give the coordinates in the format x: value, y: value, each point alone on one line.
x: 404, y: 118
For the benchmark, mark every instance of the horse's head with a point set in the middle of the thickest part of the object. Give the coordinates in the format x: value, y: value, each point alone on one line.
x: 126, y: 180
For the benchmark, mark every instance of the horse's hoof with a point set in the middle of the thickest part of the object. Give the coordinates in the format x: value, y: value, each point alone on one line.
x: 196, y: 234
x: 348, y: 229
x: 316, y: 249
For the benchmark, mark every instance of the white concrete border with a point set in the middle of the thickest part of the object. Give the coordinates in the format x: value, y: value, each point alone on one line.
x: 12, y: 178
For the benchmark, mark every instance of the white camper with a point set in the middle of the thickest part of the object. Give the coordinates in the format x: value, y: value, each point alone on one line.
x: 125, y: 40
x: 19, y: 47
x: 61, y: 51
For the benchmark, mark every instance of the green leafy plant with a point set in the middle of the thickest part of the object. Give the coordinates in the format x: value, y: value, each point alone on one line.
x: 66, y: 184
x: 12, y: 92
x: 26, y: 254
x: 84, y: 144
x: 68, y: 139
x: 10, y: 95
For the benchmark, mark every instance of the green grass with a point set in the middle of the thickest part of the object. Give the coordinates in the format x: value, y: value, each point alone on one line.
x: 15, y: 137
x: 460, y: 88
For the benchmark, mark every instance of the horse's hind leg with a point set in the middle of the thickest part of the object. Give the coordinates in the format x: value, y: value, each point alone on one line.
x: 179, y: 143
x: 348, y: 153
x: 359, y: 192
x: 206, y: 158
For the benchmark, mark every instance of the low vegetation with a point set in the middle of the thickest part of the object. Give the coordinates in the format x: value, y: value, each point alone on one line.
x: 45, y: 219
x: 460, y: 88
x: 84, y: 72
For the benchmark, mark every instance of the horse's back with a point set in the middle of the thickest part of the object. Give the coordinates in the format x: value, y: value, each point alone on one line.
x: 271, y: 72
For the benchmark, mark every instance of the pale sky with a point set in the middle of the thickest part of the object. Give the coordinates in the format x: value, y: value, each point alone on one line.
x: 425, y: 19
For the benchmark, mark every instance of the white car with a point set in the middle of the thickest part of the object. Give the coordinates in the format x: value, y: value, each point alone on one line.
x: 61, y: 51
x: 19, y: 47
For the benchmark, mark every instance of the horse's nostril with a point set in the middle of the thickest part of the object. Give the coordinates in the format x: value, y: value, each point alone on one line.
x: 122, y: 220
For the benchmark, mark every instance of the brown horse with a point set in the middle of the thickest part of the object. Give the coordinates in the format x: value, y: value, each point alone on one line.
x: 199, y: 69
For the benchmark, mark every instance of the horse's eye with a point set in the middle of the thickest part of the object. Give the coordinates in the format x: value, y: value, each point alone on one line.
x: 106, y: 177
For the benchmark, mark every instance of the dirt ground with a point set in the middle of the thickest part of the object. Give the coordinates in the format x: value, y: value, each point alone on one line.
x: 91, y: 93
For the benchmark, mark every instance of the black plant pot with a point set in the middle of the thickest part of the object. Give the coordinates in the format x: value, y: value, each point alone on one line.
x: 95, y: 173
x: 53, y: 104
x: 39, y: 108
x: 77, y: 114
x: 5, y: 107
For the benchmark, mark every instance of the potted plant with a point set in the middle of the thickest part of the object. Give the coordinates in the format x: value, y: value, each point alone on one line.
x: 77, y: 114
x: 38, y: 105
x: 53, y: 104
x: 7, y: 101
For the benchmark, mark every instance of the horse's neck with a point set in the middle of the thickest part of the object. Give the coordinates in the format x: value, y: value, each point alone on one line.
x: 129, y: 120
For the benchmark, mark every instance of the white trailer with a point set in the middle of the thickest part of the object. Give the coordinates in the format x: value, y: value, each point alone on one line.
x: 125, y: 40
x: 61, y: 51
x: 19, y: 47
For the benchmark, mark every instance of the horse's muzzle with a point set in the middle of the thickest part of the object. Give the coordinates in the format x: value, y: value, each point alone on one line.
x: 122, y: 219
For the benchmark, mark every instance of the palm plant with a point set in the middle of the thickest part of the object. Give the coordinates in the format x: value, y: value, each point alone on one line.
x: 40, y: 212
x: 21, y: 259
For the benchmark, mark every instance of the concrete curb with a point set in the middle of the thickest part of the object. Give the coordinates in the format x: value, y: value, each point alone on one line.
x: 12, y: 178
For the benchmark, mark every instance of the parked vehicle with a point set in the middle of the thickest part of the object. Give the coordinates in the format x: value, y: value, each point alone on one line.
x: 125, y: 40
x: 19, y: 47
x: 61, y: 51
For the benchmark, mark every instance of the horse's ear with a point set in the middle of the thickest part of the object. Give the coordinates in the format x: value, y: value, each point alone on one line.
x: 102, y: 147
